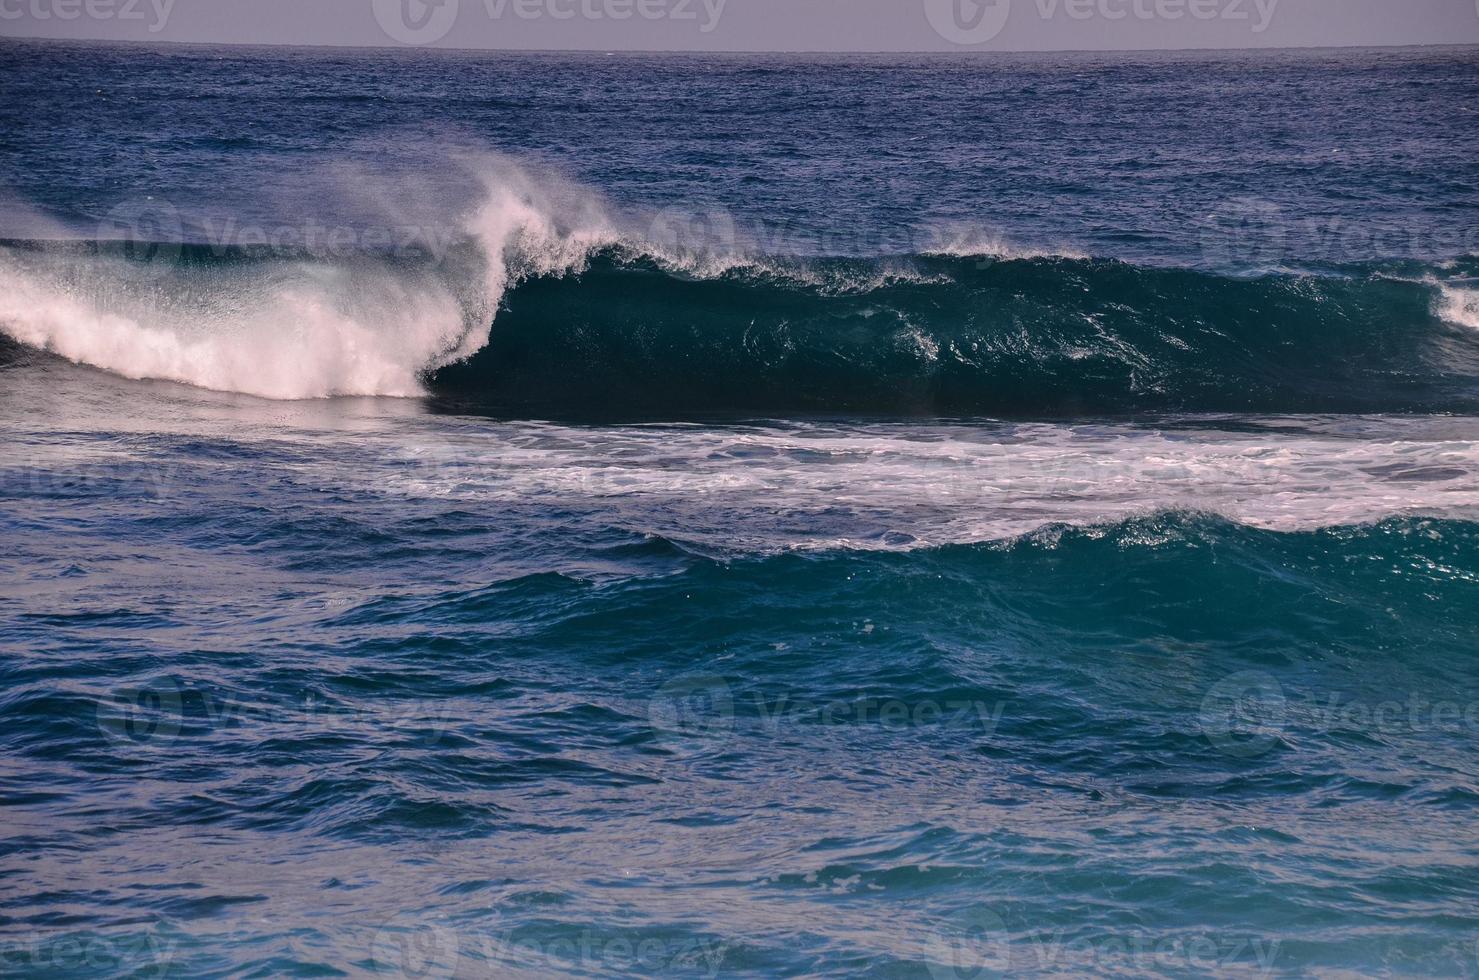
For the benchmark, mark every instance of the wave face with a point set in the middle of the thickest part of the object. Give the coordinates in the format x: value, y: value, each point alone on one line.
x: 529, y: 313
x: 942, y: 335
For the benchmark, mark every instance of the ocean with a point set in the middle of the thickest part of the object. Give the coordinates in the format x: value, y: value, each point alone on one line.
x: 484, y: 514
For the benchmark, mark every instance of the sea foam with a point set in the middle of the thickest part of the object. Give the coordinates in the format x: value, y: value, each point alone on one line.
x: 1460, y: 306
x: 294, y: 326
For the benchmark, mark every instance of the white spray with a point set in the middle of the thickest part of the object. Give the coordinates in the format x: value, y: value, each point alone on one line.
x: 292, y: 327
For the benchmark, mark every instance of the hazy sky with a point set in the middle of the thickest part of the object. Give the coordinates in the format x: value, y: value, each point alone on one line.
x: 748, y: 25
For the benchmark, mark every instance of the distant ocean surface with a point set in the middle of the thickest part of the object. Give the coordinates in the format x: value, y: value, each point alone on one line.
x: 525, y: 515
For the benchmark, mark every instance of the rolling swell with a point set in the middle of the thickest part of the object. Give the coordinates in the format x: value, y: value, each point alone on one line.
x: 965, y: 336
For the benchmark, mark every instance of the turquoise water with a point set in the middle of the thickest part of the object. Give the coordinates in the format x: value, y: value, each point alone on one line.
x: 639, y: 542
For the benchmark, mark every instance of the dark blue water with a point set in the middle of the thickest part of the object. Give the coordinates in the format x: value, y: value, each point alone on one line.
x: 473, y: 515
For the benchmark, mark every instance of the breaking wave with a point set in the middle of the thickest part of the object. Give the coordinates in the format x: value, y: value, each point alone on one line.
x: 543, y: 302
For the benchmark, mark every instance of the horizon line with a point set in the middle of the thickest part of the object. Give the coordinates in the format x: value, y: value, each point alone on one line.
x: 960, y: 50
